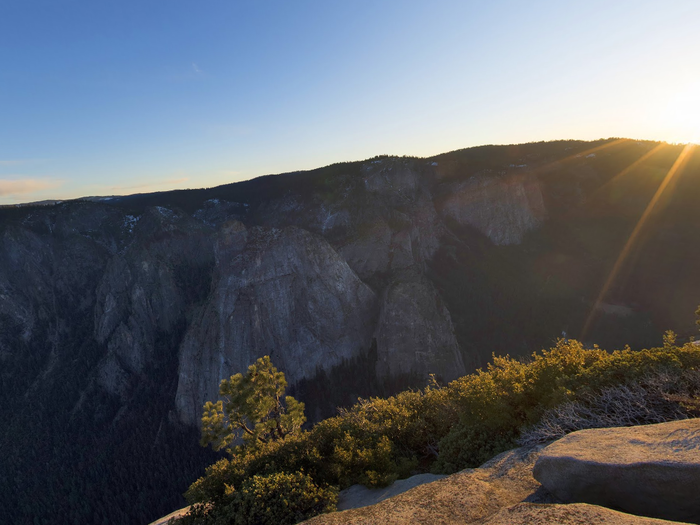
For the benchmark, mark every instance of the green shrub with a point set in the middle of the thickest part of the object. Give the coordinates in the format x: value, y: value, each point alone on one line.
x: 281, y: 499
x: 625, y: 366
x: 494, y: 404
x: 470, y: 445
x: 275, y: 499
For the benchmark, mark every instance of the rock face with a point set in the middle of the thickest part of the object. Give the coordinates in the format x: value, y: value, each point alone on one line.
x: 392, y: 227
x: 144, y: 292
x: 415, y: 332
x: 651, y: 470
x: 283, y: 293
x: 503, y: 208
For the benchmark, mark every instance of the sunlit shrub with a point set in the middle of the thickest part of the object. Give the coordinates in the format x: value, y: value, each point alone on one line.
x: 281, y: 499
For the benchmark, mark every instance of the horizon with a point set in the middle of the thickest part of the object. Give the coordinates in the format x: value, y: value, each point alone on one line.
x: 50, y: 201
x: 102, y: 100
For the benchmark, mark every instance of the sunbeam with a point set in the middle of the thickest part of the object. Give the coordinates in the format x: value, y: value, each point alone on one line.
x: 629, y: 168
x: 680, y: 162
x: 581, y: 154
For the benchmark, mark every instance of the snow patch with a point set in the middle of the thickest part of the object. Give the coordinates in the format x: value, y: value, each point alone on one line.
x: 129, y: 223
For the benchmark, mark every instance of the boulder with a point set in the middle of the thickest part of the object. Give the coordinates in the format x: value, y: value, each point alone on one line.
x: 651, y: 470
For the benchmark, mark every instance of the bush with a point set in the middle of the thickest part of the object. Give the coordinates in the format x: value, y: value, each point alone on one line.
x: 497, y: 404
x: 274, y: 499
x: 494, y: 404
x: 281, y: 499
x: 653, y: 399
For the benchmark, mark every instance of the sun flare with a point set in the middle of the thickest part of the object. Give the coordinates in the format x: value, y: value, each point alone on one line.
x: 681, y: 115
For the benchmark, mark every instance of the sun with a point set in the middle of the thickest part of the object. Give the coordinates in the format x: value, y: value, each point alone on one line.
x: 681, y: 115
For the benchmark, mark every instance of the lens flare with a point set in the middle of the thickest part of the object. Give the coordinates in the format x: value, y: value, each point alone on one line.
x: 629, y: 168
x: 678, y: 165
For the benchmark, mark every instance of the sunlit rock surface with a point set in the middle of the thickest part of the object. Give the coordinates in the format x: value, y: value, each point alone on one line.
x: 651, y: 470
x: 504, y: 208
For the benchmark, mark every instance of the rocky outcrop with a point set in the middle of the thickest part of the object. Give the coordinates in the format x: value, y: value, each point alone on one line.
x: 359, y: 496
x: 415, y: 333
x: 503, y: 491
x: 283, y: 293
x: 573, y: 514
x: 651, y: 470
x: 396, y: 226
x: 504, y: 208
x: 465, y: 497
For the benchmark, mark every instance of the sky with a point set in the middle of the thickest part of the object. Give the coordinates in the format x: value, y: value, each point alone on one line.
x: 118, y: 97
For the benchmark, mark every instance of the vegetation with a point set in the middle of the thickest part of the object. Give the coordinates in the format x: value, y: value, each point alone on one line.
x: 281, y: 498
x: 252, y: 409
x: 446, y: 428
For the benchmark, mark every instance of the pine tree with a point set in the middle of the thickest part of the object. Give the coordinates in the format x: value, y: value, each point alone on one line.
x: 252, y: 408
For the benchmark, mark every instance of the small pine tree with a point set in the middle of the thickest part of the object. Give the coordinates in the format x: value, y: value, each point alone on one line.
x: 669, y: 338
x: 252, y: 408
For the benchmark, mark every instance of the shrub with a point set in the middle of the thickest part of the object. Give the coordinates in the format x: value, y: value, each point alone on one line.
x: 493, y: 404
x: 274, y: 499
x: 281, y: 499
x: 653, y: 399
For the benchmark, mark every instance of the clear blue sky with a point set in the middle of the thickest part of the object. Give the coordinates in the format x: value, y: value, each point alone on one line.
x: 115, y: 97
